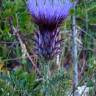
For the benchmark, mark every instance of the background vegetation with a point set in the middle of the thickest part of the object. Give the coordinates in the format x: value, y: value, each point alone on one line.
x: 24, y: 81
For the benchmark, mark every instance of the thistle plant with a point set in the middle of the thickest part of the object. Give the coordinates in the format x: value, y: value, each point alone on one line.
x: 48, y: 15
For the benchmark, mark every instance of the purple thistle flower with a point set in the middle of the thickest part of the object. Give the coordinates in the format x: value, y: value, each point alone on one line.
x: 48, y: 15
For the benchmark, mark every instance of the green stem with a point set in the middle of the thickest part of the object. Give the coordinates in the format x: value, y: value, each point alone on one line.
x: 46, y: 80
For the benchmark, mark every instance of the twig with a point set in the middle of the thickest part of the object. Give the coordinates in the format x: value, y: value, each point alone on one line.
x: 78, y: 27
x: 15, y: 31
x: 5, y: 42
x: 74, y: 51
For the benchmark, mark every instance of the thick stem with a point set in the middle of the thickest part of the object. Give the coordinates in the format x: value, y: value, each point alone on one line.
x: 46, y: 88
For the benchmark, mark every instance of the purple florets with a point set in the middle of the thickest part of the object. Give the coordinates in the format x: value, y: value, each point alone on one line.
x: 49, y: 12
x: 48, y: 15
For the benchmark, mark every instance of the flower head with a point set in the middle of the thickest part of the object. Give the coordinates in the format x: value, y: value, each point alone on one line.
x: 48, y: 15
